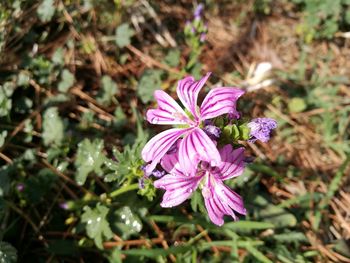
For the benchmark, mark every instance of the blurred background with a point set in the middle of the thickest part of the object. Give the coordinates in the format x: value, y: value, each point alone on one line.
x: 76, y: 78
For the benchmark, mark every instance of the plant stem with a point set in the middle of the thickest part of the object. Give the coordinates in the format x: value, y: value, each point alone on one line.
x: 124, y: 189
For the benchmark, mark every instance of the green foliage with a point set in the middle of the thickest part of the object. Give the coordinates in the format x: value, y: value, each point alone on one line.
x: 53, y: 127
x: 6, y: 91
x: 123, y: 35
x: 46, y: 10
x: 126, y: 222
x: 97, y: 226
x: 35, y: 188
x: 8, y: 254
x: 89, y: 159
x: 149, y: 82
x: 296, y: 105
x: 323, y: 18
x: 109, y: 89
x: 67, y: 81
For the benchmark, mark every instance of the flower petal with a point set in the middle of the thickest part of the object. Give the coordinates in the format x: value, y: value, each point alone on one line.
x: 232, y: 164
x: 170, y: 163
x: 178, y: 188
x: 187, y: 91
x: 220, y: 101
x: 158, y: 146
x: 219, y: 200
x: 230, y: 198
x: 194, y: 147
x: 168, y: 111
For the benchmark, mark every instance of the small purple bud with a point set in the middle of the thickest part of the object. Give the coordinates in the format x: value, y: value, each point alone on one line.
x: 193, y: 30
x: 20, y: 187
x: 202, y: 37
x: 212, y: 131
x: 198, y: 11
x: 158, y: 174
x: 249, y: 159
x: 63, y: 206
x: 233, y: 115
x: 260, y: 129
x: 142, y: 183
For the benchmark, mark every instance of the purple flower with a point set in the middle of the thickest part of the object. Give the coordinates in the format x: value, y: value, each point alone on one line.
x: 142, y: 183
x: 202, y: 37
x: 20, y: 187
x: 212, y: 131
x: 64, y: 206
x: 218, y: 198
x: 260, y: 129
x: 198, y: 11
x: 196, y: 144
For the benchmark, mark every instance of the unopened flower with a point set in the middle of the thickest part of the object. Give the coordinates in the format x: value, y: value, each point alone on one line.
x: 64, y: 206
x: 198, y: 11
x: 260, y: 129
x: 212, y: 131
x: 20, y: 187
x: 218, y: 198
x: 196, y: 145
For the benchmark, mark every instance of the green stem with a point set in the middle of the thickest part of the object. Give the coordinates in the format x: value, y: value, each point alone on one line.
x: 124, y: 190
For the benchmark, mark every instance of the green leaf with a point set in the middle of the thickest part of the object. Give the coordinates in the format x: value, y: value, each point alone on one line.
x: 46, y: 10
x: 173, y: 58
x: 53, y: 127
x: 296, y: 105
x: 109, y: 89
x: 248, y: 225
x: 63, y: 247
x: 257, y: 254
x: 67, y: 81
x: 8, y: 254
x: 149, y: 82
x: 123, y: 35
x: 97, y: 226
x: 4, y: 180
x: 89, y: 158
x: 3, y: 136
x: 36, y: 187
x: 126, y: 222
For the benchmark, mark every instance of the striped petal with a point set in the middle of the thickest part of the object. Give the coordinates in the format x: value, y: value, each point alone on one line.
x: 170, y: 163
x: 158, y: 146
x: 177, y: 187
x: 232, y: 162
x: 188, y: 89
x: 196, y: 146
x: 168, y: 111
x: 219, y: 200
x: 220, y: 101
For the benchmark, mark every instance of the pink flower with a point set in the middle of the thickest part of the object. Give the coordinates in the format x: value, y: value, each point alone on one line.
x: 195, y: 145
x: 219, y: 199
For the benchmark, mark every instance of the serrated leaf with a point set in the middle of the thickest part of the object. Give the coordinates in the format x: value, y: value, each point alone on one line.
x: 97, y: 226
x: 46, y: 10
x: 89, y: 158
x: 8, y: 254
x: 173, y: 58
x: 53, y: 127
x: 109, y: 89
x: 149, y: 82
x: 67, y: 81
x: 123, y: 35
x: 126, y: 222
